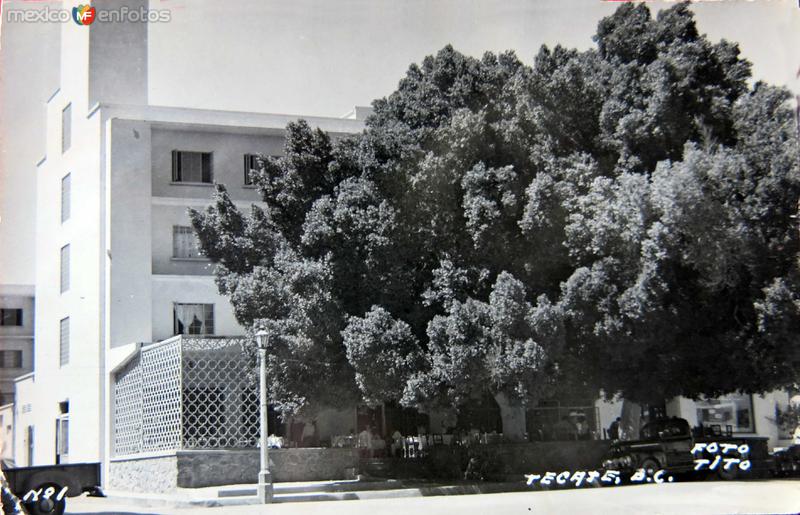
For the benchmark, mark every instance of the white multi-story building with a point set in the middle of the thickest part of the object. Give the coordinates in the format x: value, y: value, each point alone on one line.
x: 16, y: 355
x: 117, y: 262
x: 16, y: 337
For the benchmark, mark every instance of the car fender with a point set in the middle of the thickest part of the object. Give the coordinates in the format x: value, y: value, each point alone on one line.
x: 56, y: 477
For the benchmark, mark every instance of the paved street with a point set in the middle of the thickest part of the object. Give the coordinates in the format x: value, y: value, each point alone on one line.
x: 775, y: 496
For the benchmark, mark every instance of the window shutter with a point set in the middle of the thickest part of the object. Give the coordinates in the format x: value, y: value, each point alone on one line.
x: 66, y: 192
x: 64, y: 268
x: 62, y: 436
x: 66, y: 128
x: 176, y: 237
x: 176, y: 166
x: 209, y: 318
x: 186, y: 242
x: 177, y: 324
x: 206, y: 166
x: 64, y: 347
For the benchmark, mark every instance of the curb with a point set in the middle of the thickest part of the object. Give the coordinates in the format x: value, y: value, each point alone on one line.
x: 171, y: 500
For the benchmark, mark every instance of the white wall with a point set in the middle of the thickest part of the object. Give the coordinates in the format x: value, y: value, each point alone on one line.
x: 27, y: 413
x: 683, y: 408
x: 128, y: 252
x: 7, y: 431
x: 763, y: 414
x: 608, y: 411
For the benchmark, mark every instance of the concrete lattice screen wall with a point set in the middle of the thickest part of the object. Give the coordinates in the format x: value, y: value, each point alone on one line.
x: 184, y: 393
x: 185, y: 416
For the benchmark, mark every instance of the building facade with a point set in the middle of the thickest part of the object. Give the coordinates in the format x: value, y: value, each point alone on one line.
x: 16, y: 337
x: 16, y: 356
x: 737, y: 413
x: 117, y: 261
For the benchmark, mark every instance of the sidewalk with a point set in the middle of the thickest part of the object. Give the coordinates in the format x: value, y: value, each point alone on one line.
x: 239, y: 495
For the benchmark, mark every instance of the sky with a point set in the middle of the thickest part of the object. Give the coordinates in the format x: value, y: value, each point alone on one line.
x: 319, y: 57
x: 324, y: 56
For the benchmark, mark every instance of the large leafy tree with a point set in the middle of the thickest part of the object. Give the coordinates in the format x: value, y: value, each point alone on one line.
x: 618, y: 218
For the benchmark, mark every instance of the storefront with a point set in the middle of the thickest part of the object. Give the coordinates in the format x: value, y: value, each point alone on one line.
x: 740, y: 414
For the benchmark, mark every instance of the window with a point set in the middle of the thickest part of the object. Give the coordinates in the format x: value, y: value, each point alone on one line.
x: 11, y: 359
x: 62, y: 438
x: 184, y: 243
x: 11, y: 317
x: 191, y: 166
x: 66, y: 128
x: 253, y: 162
x: 64, y: 342
x: 732, y: 410
x: 64, y: 268
x: 194, y: 318
x: 66, y: 186
x: 250, y: 163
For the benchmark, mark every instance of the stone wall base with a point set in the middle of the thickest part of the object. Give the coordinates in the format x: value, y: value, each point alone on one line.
x: 194, y: 469
x: 152, y: 474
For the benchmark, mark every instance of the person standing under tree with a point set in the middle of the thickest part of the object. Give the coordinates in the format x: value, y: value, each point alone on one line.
x: 613, y: 429
x: 365, y: 441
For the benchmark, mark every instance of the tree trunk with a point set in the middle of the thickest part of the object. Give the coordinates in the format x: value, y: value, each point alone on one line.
x: 513, y: 415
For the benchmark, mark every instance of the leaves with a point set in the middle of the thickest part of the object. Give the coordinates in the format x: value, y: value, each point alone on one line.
x: 384, y: 353
x: 617, y: 218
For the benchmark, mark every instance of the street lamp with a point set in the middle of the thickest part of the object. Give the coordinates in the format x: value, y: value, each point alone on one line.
x: 264, y: 476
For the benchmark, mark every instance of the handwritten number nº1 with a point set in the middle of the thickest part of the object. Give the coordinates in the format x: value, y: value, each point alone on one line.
x: 33, y: 495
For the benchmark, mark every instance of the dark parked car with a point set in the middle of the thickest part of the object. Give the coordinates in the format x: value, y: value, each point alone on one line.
x: 668, y: 444
x: 787, y: 461
x: 44, y: 489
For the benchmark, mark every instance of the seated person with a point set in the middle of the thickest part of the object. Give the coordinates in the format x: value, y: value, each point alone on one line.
x: 565, y: 429
x: 581, y: 427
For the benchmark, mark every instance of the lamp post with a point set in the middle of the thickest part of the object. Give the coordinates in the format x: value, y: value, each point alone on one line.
x: 264, y: 476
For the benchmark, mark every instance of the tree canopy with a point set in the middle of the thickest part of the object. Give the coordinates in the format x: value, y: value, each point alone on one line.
x: 621, y: 218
